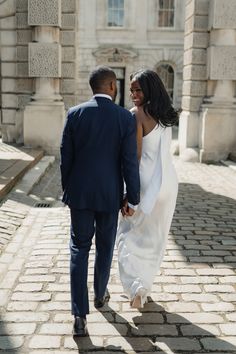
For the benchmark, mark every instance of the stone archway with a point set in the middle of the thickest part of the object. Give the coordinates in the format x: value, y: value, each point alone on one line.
x: 167, y: 74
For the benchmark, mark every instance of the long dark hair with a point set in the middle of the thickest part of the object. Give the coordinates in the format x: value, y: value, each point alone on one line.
x: 157, y: 102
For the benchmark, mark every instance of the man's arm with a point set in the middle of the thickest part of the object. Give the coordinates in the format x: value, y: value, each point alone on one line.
x: 67, y: 152
x: 130, y: 162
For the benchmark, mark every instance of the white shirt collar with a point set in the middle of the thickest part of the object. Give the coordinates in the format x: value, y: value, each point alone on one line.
x: 102, y: 95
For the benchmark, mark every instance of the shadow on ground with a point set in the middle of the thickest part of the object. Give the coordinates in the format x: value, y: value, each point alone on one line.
x: 181, y: 336
x: 204, y: 227
x: 9, y: 343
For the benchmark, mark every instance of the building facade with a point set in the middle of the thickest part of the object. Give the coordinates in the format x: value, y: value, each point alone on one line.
x: 48, y: 48
x: 129, y: 35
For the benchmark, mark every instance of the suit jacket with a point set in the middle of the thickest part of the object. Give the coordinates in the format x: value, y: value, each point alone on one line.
x: 99, y: 153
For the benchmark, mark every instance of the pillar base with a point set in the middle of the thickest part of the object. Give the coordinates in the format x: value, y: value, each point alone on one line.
x: 188, y: 130
x: 190, y: 155
x: 43, y: 125
x: 218, y: 132
x: 188, y: 136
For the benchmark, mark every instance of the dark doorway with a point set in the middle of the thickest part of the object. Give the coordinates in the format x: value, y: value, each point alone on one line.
x: 120, y: 74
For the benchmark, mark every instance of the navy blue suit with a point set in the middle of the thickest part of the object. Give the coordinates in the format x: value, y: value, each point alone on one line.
x: 98, y: 153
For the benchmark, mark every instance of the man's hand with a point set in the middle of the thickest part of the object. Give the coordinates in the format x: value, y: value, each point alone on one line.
x: 126, y: 209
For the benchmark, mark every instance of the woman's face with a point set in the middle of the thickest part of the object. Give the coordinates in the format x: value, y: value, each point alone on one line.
x: 136, y: 93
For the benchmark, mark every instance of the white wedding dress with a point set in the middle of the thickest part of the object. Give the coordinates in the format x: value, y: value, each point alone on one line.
x: 142, y: 238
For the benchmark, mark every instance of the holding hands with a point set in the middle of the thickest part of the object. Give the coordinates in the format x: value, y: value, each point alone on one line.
x: 126, y: 209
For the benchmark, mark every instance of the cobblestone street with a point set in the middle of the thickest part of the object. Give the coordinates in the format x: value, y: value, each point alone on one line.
x: 193, y: 302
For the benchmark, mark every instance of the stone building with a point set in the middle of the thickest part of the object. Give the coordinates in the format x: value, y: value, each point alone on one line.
x: 48, y: 47
x: 37, y: 41
x: 129, y: 35
x: 208, y: 122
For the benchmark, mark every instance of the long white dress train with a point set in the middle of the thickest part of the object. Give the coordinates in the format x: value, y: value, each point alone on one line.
x: 142, y: 238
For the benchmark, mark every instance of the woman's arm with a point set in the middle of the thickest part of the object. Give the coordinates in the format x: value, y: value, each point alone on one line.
x: 139, y: 133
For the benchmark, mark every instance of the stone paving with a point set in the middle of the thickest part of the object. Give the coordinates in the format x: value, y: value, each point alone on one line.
x: 193, y: 302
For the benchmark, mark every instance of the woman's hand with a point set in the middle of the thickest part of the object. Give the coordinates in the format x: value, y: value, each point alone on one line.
x: 126, y: 209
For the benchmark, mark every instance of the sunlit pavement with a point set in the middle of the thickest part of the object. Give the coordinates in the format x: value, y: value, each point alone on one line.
x: 193, y: 300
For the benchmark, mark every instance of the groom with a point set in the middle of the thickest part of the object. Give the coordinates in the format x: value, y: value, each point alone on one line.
x: 98, y: 153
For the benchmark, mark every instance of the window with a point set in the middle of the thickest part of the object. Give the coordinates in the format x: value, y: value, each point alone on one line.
x: 115, y: 13
x: 166, y: 13
x: 166, y: 73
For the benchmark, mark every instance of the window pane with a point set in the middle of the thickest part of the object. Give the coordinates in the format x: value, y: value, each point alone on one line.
x: 166, y: 13
x: 121, y: 17
x: 116, y: 13
x: 121, y: 3
x: 166, y: 4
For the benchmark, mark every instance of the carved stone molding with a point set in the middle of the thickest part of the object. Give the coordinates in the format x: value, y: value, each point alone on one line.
x: 44, y: 60
x: 44, y: 12
x: 114, y: 54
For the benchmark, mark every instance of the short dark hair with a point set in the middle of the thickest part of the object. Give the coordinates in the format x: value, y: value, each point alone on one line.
x: 157, y: 102
x: 100, y: 76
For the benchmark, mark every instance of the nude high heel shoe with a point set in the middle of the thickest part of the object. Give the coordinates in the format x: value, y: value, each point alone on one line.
x: 139, y: 300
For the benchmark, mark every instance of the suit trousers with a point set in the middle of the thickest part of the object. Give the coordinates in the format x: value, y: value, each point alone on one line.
x: 84, y: 224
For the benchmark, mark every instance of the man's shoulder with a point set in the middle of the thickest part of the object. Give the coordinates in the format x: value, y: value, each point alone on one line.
x: 125, y: 112
x: 79, y: 107
x: 128, y: 117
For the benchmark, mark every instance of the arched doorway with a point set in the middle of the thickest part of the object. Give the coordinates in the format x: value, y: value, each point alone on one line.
x: 166, y: 73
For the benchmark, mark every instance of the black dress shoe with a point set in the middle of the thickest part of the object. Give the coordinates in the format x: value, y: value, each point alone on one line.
x: 101, y: 302
x: 80, y: 327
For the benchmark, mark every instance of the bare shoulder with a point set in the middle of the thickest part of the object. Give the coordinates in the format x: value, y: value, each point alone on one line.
x: 139, y: 114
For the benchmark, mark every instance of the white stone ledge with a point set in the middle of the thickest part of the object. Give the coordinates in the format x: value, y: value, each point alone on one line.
x: 221, y: 63
x: 199, y: 7
x: 229, y: 163
x: 222, y: 14
x: 8, y: 8
x: 195, y: 72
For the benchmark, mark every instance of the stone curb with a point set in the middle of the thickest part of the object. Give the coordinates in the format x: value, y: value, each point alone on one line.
x: 33, y: 176
x: 229, y: 163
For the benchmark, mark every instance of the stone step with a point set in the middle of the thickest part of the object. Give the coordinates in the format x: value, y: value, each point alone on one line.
x: 229, y: 163
x: 14, y: 164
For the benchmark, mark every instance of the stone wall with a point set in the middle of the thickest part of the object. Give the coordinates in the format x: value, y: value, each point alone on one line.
x: 13, y: 90
x: 69, y: 24
x: 194, y: 75
x: 22, y: 57
x: 217, y: 137
x: 208, y: 121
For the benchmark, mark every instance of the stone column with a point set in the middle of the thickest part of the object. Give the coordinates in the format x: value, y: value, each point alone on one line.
x: 8, y: 69
x: 194, y: 76
x: 208, y: 121
x: 44, y: 116
x: 218, y: 113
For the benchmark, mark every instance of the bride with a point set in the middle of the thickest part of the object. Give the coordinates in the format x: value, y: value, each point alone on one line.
x: 142, y: 238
